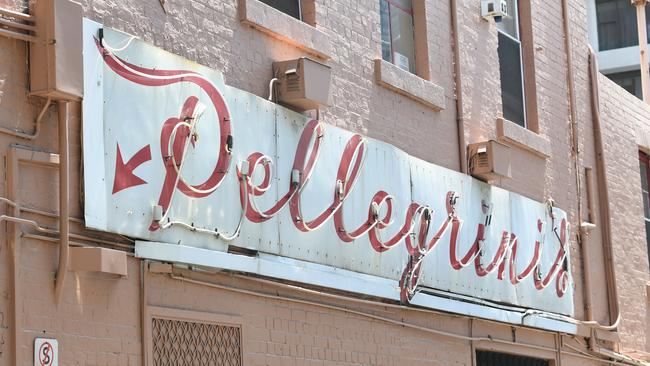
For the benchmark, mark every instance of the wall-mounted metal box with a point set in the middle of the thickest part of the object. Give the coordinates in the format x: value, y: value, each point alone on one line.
x: 303, y: 83
x: 56, y: 66
x: 489, y: 160
x: 101, y: 260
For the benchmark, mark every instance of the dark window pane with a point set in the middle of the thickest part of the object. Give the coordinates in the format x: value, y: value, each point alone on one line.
x: 291, y: 7
x: 512, y: 92
x: 485, y: 358
x: 647, y: 236
x: 385, y: 31
x: 616, y: 24
x: 630, y: 81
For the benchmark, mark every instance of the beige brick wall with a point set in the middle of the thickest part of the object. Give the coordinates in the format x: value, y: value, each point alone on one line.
x: 98, y: 322
x: 621, y: 123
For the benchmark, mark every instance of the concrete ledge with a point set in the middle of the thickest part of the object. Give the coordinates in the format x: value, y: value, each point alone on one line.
x: 512, y: 134
x: 409, y: 85
x: 284, y: 27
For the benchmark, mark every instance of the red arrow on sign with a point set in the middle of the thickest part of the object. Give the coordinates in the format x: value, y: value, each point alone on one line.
x: 124, y: 176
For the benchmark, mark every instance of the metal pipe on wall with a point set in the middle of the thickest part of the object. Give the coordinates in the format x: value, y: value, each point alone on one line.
x: 603, y: 195
x: 64, y: 199
x: 575, y: 143
x: 589, y: 180
x: 37, y: 126
x: 14, y: 156
x: 460, y: 115
x: 144, y: 307
x: 585, y: 253
x: 14, y: 260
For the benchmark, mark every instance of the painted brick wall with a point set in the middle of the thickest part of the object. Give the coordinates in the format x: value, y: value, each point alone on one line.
x: 622, y: 123
x: 96, y: 311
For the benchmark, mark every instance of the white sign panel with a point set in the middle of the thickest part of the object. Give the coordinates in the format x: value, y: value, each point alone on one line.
x: 46, y: 352
x: 172, y: 154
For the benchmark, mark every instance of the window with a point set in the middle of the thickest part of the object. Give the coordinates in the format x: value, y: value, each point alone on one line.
x: 484, y: 358
x: 291, y: 7
x: 645, y: 178
x: 630, y: 81
x: 617, y: 24
x: 397, y: 36
x: 511, y: 67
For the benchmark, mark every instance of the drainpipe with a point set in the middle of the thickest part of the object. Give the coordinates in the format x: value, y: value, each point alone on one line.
x: 64, y: 198
x: 585, y: 252
x: 37, y: 126
x: 581, y: 236
x: 575, y: 155
x: 575, y: 147
x: 603, y: 196
x: 12, y: 243
x: 643, y: 47
x: 144, y: 307
x: 460, y: 116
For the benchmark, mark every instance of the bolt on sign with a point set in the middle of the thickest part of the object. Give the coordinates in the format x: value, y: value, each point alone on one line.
x: 46, y: 352
x: 174, y: 155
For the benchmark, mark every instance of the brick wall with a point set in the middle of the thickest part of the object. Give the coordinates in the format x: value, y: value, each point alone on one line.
x: 97, y: 311
x: 622, y: 123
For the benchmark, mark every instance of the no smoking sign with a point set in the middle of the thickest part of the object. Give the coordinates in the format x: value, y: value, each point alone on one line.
x: 46, y: 352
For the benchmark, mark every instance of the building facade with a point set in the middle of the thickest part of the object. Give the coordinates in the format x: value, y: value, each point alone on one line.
x: 613, y: 33
x: 144, y: 273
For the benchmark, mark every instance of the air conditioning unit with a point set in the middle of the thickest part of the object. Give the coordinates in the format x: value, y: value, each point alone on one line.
x: 56, y: 66
x: 489, y: 160
x: 494, y: 9
x: 303, y: 84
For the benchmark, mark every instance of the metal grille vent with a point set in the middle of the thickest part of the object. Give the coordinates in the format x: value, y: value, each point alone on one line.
x: 293, y: 82
x: 486, y: 358
x: 180, y: 343
x: 482, y: 159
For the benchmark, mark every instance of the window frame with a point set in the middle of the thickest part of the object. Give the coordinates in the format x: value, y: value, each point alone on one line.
x: 522, y: 73
x: 300, y: 15
x: 411, y: 12
x: 510, y: 358
x: 622, y: 40
x: 644, y: 160
x: 527, y: 55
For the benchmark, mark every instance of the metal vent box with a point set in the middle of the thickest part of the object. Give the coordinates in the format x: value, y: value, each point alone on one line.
x: 56, y: 66
x: 100, y: 260
x: 489, y: 160
x: 303, y: 83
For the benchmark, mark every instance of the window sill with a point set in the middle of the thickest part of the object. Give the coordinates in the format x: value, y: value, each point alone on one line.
x: 512, y: 134
x: 284, y: 27
x: 409, y: 85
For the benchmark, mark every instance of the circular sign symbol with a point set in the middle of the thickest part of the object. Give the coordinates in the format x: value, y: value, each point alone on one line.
x: 46, y: 354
